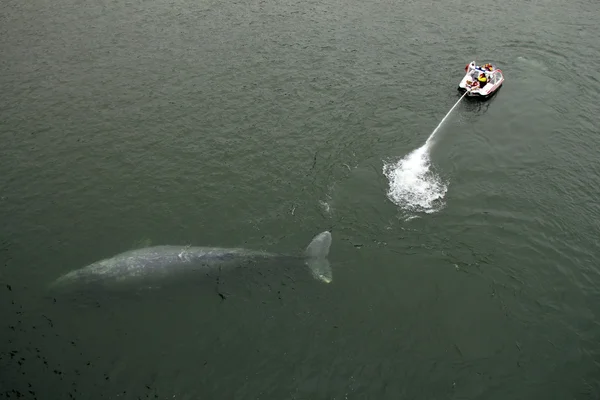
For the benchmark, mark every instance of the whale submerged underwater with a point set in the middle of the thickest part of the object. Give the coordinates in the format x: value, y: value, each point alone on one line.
x: 160, y: 264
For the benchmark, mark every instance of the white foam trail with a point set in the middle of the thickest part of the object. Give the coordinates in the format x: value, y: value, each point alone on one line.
x: 413, y: 185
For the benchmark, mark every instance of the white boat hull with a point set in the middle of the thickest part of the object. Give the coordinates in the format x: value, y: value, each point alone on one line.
x: 470, y: 84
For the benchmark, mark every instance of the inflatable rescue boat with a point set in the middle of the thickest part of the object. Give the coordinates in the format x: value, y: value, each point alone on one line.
x: 481, y: 81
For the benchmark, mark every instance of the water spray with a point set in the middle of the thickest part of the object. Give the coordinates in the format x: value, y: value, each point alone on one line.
x: 412, y: 184
x: 443, y: 119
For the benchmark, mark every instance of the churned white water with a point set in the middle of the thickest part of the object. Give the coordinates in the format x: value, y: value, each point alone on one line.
x: 413, y: 183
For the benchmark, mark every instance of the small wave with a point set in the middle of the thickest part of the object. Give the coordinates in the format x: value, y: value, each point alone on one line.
x: 413, y: 184
x: 325, y: 206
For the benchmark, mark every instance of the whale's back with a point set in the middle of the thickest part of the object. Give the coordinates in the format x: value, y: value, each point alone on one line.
x: 159, y: 263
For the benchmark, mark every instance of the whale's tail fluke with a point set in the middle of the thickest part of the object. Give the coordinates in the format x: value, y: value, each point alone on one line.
x: 316, y: 257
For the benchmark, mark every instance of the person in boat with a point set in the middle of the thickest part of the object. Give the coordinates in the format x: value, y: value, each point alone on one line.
x: 482, y: 79
x: 488, y: 67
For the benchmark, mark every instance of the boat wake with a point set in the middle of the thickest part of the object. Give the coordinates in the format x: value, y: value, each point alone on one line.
x: 414, y: 184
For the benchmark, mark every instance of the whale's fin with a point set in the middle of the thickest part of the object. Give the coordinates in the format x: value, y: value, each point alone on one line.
x: 316, y: 257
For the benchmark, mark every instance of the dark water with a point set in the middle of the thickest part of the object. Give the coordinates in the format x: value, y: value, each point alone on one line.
x: 469, y: 271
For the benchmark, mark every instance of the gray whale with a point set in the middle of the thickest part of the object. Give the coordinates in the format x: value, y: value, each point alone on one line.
x: 161, y: 263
